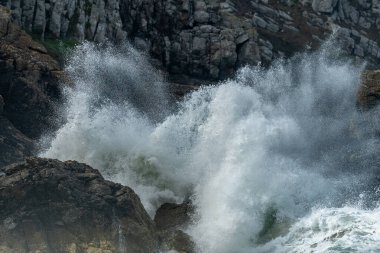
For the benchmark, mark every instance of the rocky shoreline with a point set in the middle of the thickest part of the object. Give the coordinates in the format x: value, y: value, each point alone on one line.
x: 52, y: 206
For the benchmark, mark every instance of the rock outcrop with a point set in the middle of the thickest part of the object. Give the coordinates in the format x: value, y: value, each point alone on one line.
x: 171, y: 219
x: 52, y: 206
x: 209, y: 39
x: 369, y: 92
x: 14, y: 146
x: 28, y: 79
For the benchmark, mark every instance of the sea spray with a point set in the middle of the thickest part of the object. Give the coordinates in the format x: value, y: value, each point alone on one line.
x: 347, y: 229
x: 259, y: 154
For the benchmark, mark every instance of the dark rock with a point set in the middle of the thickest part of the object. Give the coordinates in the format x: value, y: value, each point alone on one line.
x: 369, y: 92
x: 28, y: 79
x: 181, y: 90
x: 1, y: 104
x: 82, y: 19
x: 14, y: 146
x: 171, y: 219
x: 172, y: 216
x: 52, y: 206
x: 177, y: 240
x: 326, y: 6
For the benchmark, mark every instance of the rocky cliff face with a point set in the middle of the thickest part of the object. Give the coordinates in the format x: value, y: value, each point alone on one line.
x: 28, y: 79
x: 84, y: 19
x: 209, y: 39
x: 29, y: 89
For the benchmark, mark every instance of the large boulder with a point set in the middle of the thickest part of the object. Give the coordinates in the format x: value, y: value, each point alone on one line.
x: 52, y: 206
x: 29, y: 79
x: 209, y: 39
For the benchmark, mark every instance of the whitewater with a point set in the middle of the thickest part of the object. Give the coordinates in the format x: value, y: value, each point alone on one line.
x: 277, y: 159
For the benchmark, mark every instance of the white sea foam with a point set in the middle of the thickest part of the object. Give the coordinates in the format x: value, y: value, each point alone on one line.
x: 347, y: 229
x: 267, y: 152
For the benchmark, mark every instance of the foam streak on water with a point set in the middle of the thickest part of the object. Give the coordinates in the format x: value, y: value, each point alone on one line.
x: 271, y: 158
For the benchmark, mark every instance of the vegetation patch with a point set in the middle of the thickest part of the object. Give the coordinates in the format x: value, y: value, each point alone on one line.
x: 58, y: 47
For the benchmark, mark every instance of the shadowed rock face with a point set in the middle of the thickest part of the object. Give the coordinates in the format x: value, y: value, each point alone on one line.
x: 54, y: 206
x: 28, y: 79
x: 174, y: 216
x: 171, y: 220
x: 14, y: 146
x: 1, y: 105
x: 369, y: 92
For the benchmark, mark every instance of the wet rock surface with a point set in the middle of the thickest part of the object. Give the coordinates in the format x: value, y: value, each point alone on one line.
x: 171, y: 221
x: 52, y: 206
x: 173, y: 216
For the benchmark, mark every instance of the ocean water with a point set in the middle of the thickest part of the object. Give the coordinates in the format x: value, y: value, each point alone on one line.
x: 276, y: 159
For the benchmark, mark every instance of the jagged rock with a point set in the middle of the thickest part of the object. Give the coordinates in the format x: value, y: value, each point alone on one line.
x: 14, y: 146
x: 28, y: 78
x: 52, y: 206
x: 369, y: 92
x: 93, y: 20
x: 171, y: 219
x: 173, y: 216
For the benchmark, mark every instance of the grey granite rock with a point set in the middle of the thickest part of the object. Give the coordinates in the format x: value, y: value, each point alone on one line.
x: 188, y: 36
x: 326, y: 6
